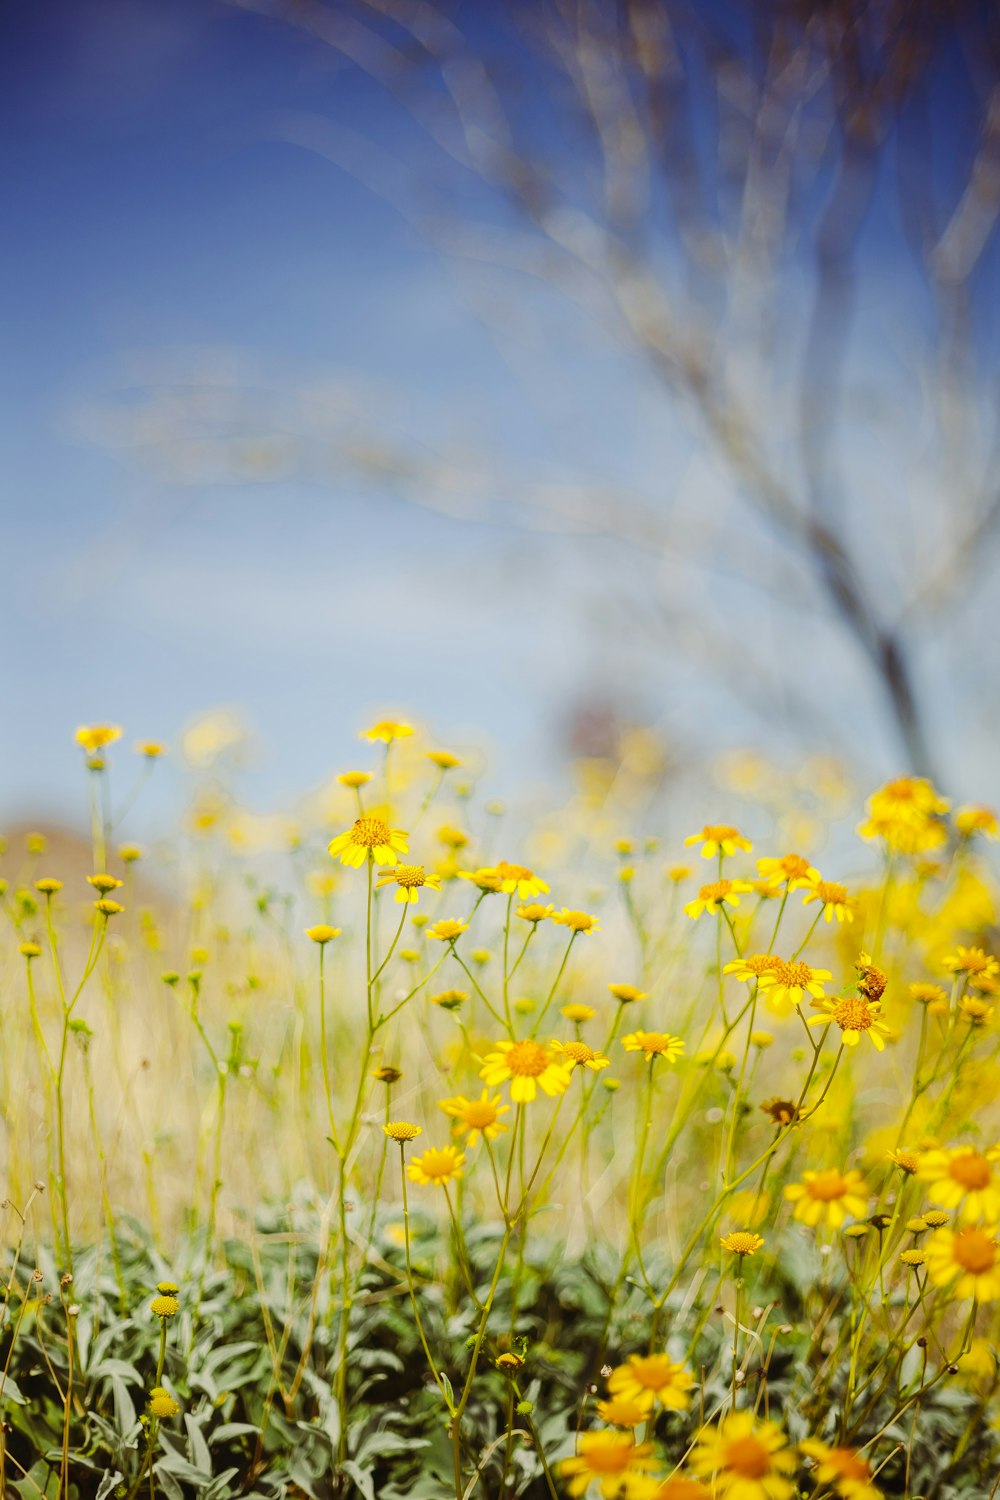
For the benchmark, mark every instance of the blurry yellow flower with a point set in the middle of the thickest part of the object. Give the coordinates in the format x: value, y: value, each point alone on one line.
x: 972, y: 961
x: 786, y: 985
x: 652, y: 1378
x: 108, y: 908
x: 452, y: 838
x: 450, y: 999
x: 835, y: 900
x: 745, y: 1459
x: 129, y: 853
x: 740, y: 1242
x: 386, y: 730
x: 907, y: 814
x: 626, y: 994
x: 578, y: 1013
x: 906, y: 1161
x: 447, y: 930
x: 578, y: 1054
x: 103, y: 883
x: 609, y: 1458
x: 790, y: 867
x: 533, y: 912
x: 620, y: 1411
x: 486, y: 879
x: 842, y: 1468
x: 29, y: 950
x: 410, y: 879
x: 717, y: 838
x: 782, y: 1111
x: 519, y: 880
x: 965, y: 1179
x: 369, y: 838
x: 443, y: 759
x: 402, y: 1130
x: 528, y: 1066
x: 438, y: 1165
x: 387, y: 1073
x: 970, y: 1259
x: 94, y: 737
x: 577, y: 921
x: 752, y: 967
x: 970, y: 820
x: 151, y: 749
x: 855, y: 1018
x: 711, y: 897
x: 354, y: 780
x: 654, y: 1044
x: 929, y: 994
x: 321, y: 933
x: 677, y: 873
x: 476, y: 1116
x: 828, y: 1197
x: 48, y: 886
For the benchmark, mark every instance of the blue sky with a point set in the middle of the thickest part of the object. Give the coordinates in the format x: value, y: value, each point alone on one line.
x: 159, y: 236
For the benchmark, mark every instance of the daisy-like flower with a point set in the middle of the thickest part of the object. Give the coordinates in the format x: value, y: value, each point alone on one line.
x: 786, y: 985
x: 475, y: 1117
x: 354, y: 780
x: 752, y: 967
x: 620, y: 1411
x: 528, y: 1066
x: 781, y: 1111
x: 579, y: 1055
x: 94, y: 737
x: 967, y: 1261
x: 443, y: 759
x: 741, y: 1242
x: 610, y: 1458
x: 577, y: 1013
x: 410, y: 880
x: 965, y: 1179
x: 677, y: 1487
x: 908, y: 1162
x: 402, y: 1131
x: 971, y: 820
x: 370, y: 838
x: 486, y: 879
x: 104, y: 883
x: 654, y: 1044
x: 929, y: 994
x: 843, y: 1469
x: 386, y: 730
x: 855, y: 1017
x: 576, y: 921
x: 322, y: 933
x: 534, y: 912
x: 788, y: 869
x: 649, y: 1379
x: 972, y: 961
x: 519, y: 880
x: 828, y: 1197
x: 447, y: 930
x: 151, y: 749
x: 716, y: 838
x: 626, y: 994
x: 744, y: 1459
x: 48, y: 885
x: 713, y: 896
x: 437, y: 1166
x: 836, y: 902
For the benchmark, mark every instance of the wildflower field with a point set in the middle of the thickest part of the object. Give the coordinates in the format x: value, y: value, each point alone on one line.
x: 620, y: 1151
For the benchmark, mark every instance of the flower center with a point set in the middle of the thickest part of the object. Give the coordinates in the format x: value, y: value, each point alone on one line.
x: 479, y: 1113
x: 974, y: 1251
x: 830, y: 893
x: 970, y: 1170
x: 747, y: 1457
x: 527, y: 1059
x: 368, y: 832
x: 826, y: 1186
x: 762, y: 963
x: 853, y: 1015
x: 792, y: 976
x: 437, y: 1163
x: 409, y: 875
x: 513, y: 872
x: 578, y: 1051
x: 716, y: 890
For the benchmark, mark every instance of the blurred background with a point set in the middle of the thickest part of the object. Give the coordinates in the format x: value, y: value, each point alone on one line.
x: 533, y: 372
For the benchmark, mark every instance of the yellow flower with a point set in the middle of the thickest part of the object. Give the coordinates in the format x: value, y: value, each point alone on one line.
x: 48, y: 886
x: 744, y: 1459
x: 533, y: 912
x: 103, y: 883
x: 369, y: 838
x: 410, y: 879
x: 578, y: 1054
x: 971, y: 820
x: 649, y: 1378
x: 354, y: 779
x: 828, y: 1197
x: 452, y: 838
x: 519, y: 880
x: 164, y: 1306
x: 972, y: 1256
x: 907, y: 815
x: 934, y: 1218
x: 626, y: 994
x: 965, y: 1179
x: 855, y: 1017
x: 609, y: 1458
x: 162, y: 1404
x: 781, y: 1111
x: 475, y: 1116
x: 402, y: 1130
x: 94, y: 737
x: 450, y: 999
x: 906, y: 1161
x: 443, y: 759
x: 787, y: 984
x: 486, y: 879
x: 439, y: 1164
x: 843, y: 1468
x: 29, y: 950
x: 835, y: 900
x: 719, y: 837
x: 529, y: 1066
x: 972, y: 961
x: 654, y: 1044
x: 929, y: 994
x: 578, y: 1013
x: 623, y: 1412
x: 386, y: 730
x: 790, y: 867
x: 712, y: 897
x: 108, y: 908
x: 129, y: 853
x: 751, y: 967
x: 321, y: 933
x: 577, y: 921
x: 151, y: 749
x: 741, y: 1242
x: 447, y: 930
x: 913, y: 1257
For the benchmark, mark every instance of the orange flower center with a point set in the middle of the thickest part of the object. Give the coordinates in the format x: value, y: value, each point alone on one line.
x: 368, y: 832
x: 853, y: 1015
x: 408, y: 875
x: 974, y: 1251
x: 479, y: 1113
x: 792, y: 976
x: 761, y: 963
x: 716, y: 890
x: 830, y: 893
x: 610, y: 1459
x: 527, y: 1060
x: 847, y: 1465
x: 747, y: 1457
x: 970, y: 1170
x: 579, y: 1051
x: 826, y: 1186
x: 513, y: 872
x: 437, y: 1163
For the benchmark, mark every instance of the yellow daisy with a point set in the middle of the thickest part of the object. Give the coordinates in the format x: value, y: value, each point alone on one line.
x: 834, y: 898
x: 843, y: 1468
x: 651, y: 1378
x: 654, y: 1044
x: 529, y: 1067
x: 965, y: 1179
x: 608, y: 1457
x: 410, y: 880
x: 744, y: 1459
x: 473, y: 1117
x: 969, y: 1258
x: 370, y: 838
x: 786, y: 985
x: 717, y: 838
x: 828, y: 1197
x: 855, y: 1017
x: 713, y: 896
x: 438, y: 1165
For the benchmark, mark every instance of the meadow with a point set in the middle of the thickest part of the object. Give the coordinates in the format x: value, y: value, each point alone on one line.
x: 446, y: 1151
